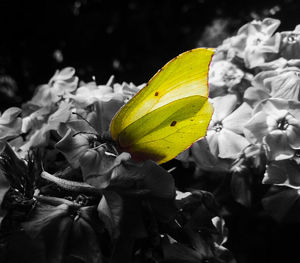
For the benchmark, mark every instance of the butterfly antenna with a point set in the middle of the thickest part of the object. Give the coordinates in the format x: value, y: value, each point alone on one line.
x: 81, y: 117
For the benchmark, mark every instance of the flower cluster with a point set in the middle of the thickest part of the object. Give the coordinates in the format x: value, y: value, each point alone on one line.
x: 255, y: 89
x: 66, y: 189
x: 62, y: 177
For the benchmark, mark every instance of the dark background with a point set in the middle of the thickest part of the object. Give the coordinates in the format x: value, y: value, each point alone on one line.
x: 130, y: 39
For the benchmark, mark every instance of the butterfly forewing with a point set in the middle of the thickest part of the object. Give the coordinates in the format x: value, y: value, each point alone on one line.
x: 184, y: 76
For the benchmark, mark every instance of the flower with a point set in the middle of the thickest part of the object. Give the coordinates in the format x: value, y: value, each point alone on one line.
x: 290, y: 43
x: 63, y: 82
x: 255, y: 40
x: 284, y: 172
x: 275, y: 122
x: 223, y: 75
x: 285, y: 83
x: 90, y: 93
x: 225, y: 132
x: 127, y: 90
x: 10, y: 123
x: 281, y: 83
x: 73, y: 146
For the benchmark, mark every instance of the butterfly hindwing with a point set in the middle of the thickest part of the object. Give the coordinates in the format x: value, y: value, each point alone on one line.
x: 165, y: 132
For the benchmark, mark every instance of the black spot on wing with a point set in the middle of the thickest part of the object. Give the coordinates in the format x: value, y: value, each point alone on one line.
x: 173, y: 123
x: 156, y: 93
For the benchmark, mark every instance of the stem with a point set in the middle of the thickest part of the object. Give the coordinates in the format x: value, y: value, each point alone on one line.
x: 55, y: 201
x: 71, y: 185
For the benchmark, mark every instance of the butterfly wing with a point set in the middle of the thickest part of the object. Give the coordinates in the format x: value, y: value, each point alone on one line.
x: 165, y: 132
x: 170, y: 113
x: 184, y: 76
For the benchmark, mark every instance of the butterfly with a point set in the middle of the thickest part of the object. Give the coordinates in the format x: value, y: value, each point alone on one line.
x: 170, y: 113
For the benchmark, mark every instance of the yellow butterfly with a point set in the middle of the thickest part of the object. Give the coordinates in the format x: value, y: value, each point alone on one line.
x: 170, y: 113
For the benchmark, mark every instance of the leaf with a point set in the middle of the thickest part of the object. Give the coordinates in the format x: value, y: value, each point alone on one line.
x: 110, y: 212
x: 4, y: 187
x: 50, y: 225
x: 283, y: 204
x: 200, y: 242
x: 179, y: 253
x: 15, y: 170
x: 241, y: 186
x: 42, y: 217
x: 83, y: 241
x: 56, y: 240
x: 157, y: 180
x: 222, y: 235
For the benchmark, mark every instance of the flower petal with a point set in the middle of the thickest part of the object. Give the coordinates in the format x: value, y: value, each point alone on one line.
x: 223, y: 106
x: 73, y: 147
x: 231, y: 144
x: 282, y: 172
x: 286, y: 85
x: 212, y: 140
x: 293, y: 132
x: 260, y: 79
x: 272, y: 106
x: 278, y: 147
x: 205, y: 160
x: 254, y: 95
x: 256, y: 128
x: 237, y: 119
x: 269, y: 25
